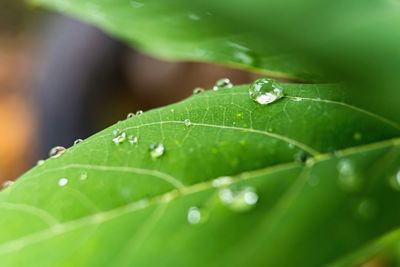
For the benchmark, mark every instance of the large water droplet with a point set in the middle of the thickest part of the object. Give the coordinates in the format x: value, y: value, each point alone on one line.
x: 7, y: 183
x: 349, y: 179
x: 77, y: 141
x: 222, y: 84
x: 195, y: 216
x: 56, y: 151
x: 239, y: 200
x: 62, y: 181
x: 156, y: 150
x: 120, y: 138
x: 222, y: 181
x: 187, y: 122
x: 265, y: 91
x: 198, y: 90
x: 133, y: 140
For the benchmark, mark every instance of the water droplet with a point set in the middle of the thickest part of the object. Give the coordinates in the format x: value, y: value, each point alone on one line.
x: 395, y: 180
x: 265, y: 91
x: 130, y: 115
x: 357, y: 136
x: 187, y: 122
x: 239, y: 200
x: 296, y: 98
x: 198, y: 90
x: 193, y: 16
x: 116, y: 132
x: 63, y: 181
x: 83, y: 176
x: 156, y: 150
x: 77, y: 141
x: 136, y: 4
x: 222, y: 84
x: 349, y: 179
x: 120, y: 138
x: 40, y: 162
x: 301, y: 156
x: 194, y: 215
x: 7, y: 184
x: 133, y: 140
x: 367, y: 209
x: 56, y: 151
x: 222, y: 181
x: 139, y: 112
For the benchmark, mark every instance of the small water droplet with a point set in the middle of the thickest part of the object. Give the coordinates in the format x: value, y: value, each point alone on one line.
x: 7, y: 184
x: 367, y: 209
x: 194, y: 215
x: 395, y: 180
x: 291, y: 146
x: 187, y: 122
x: 63, y: 181
x: 193, y: 16
x: 265, y: 91
x: 349, y: 179
x: 357, y: 136
x: 40, y: 162
x: 301, y: 156
x: 77, y: 141
x: 136, y: 4
x: 296, y: 98
x: 139, y: 112
x: 198, y: 90
x: 239, y: 200
x: 120, y: 138
x: 116, y: 132
x: 83, y: 176
x: 222, y: 181
x: 222, y: 84
x: 156, y: 150
x: 56, y: 151
x: 130, y: 115
x: 133, y: 140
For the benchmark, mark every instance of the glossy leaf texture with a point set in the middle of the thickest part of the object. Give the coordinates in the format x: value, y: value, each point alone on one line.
x: 311, y: 182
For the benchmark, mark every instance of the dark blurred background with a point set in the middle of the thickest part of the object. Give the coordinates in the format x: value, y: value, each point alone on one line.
x: 61, y: 80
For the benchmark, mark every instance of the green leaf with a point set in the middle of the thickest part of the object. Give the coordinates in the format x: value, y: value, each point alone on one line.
x: 179, y: 30
x: 321, y: 171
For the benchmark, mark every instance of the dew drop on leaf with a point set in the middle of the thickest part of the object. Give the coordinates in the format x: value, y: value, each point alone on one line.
x: 83, y: 176
x: 130, y: 115
x: 349, y: 178
x: 239, y: 200
x: 194, y: 215
x: 6, y: 184
x: 116, y: 132
x: 301, y: 156
x: 222, y: 181
x: 395, y: 180
x: 133, y: 140
x: 62, y: 181
x: 222, y: 84
x: 56, y: 151
x: 156, y: 150
x: 120, y: 138
x: 139, y: 112
x: 187, y: 122
x: 40, y: 162
x: 367, y: 209
x: 198, y: 90
x: 265, y: 91
x: 77, y: 141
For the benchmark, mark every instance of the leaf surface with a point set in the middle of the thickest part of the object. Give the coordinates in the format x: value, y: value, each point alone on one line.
x: 320, y: 170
